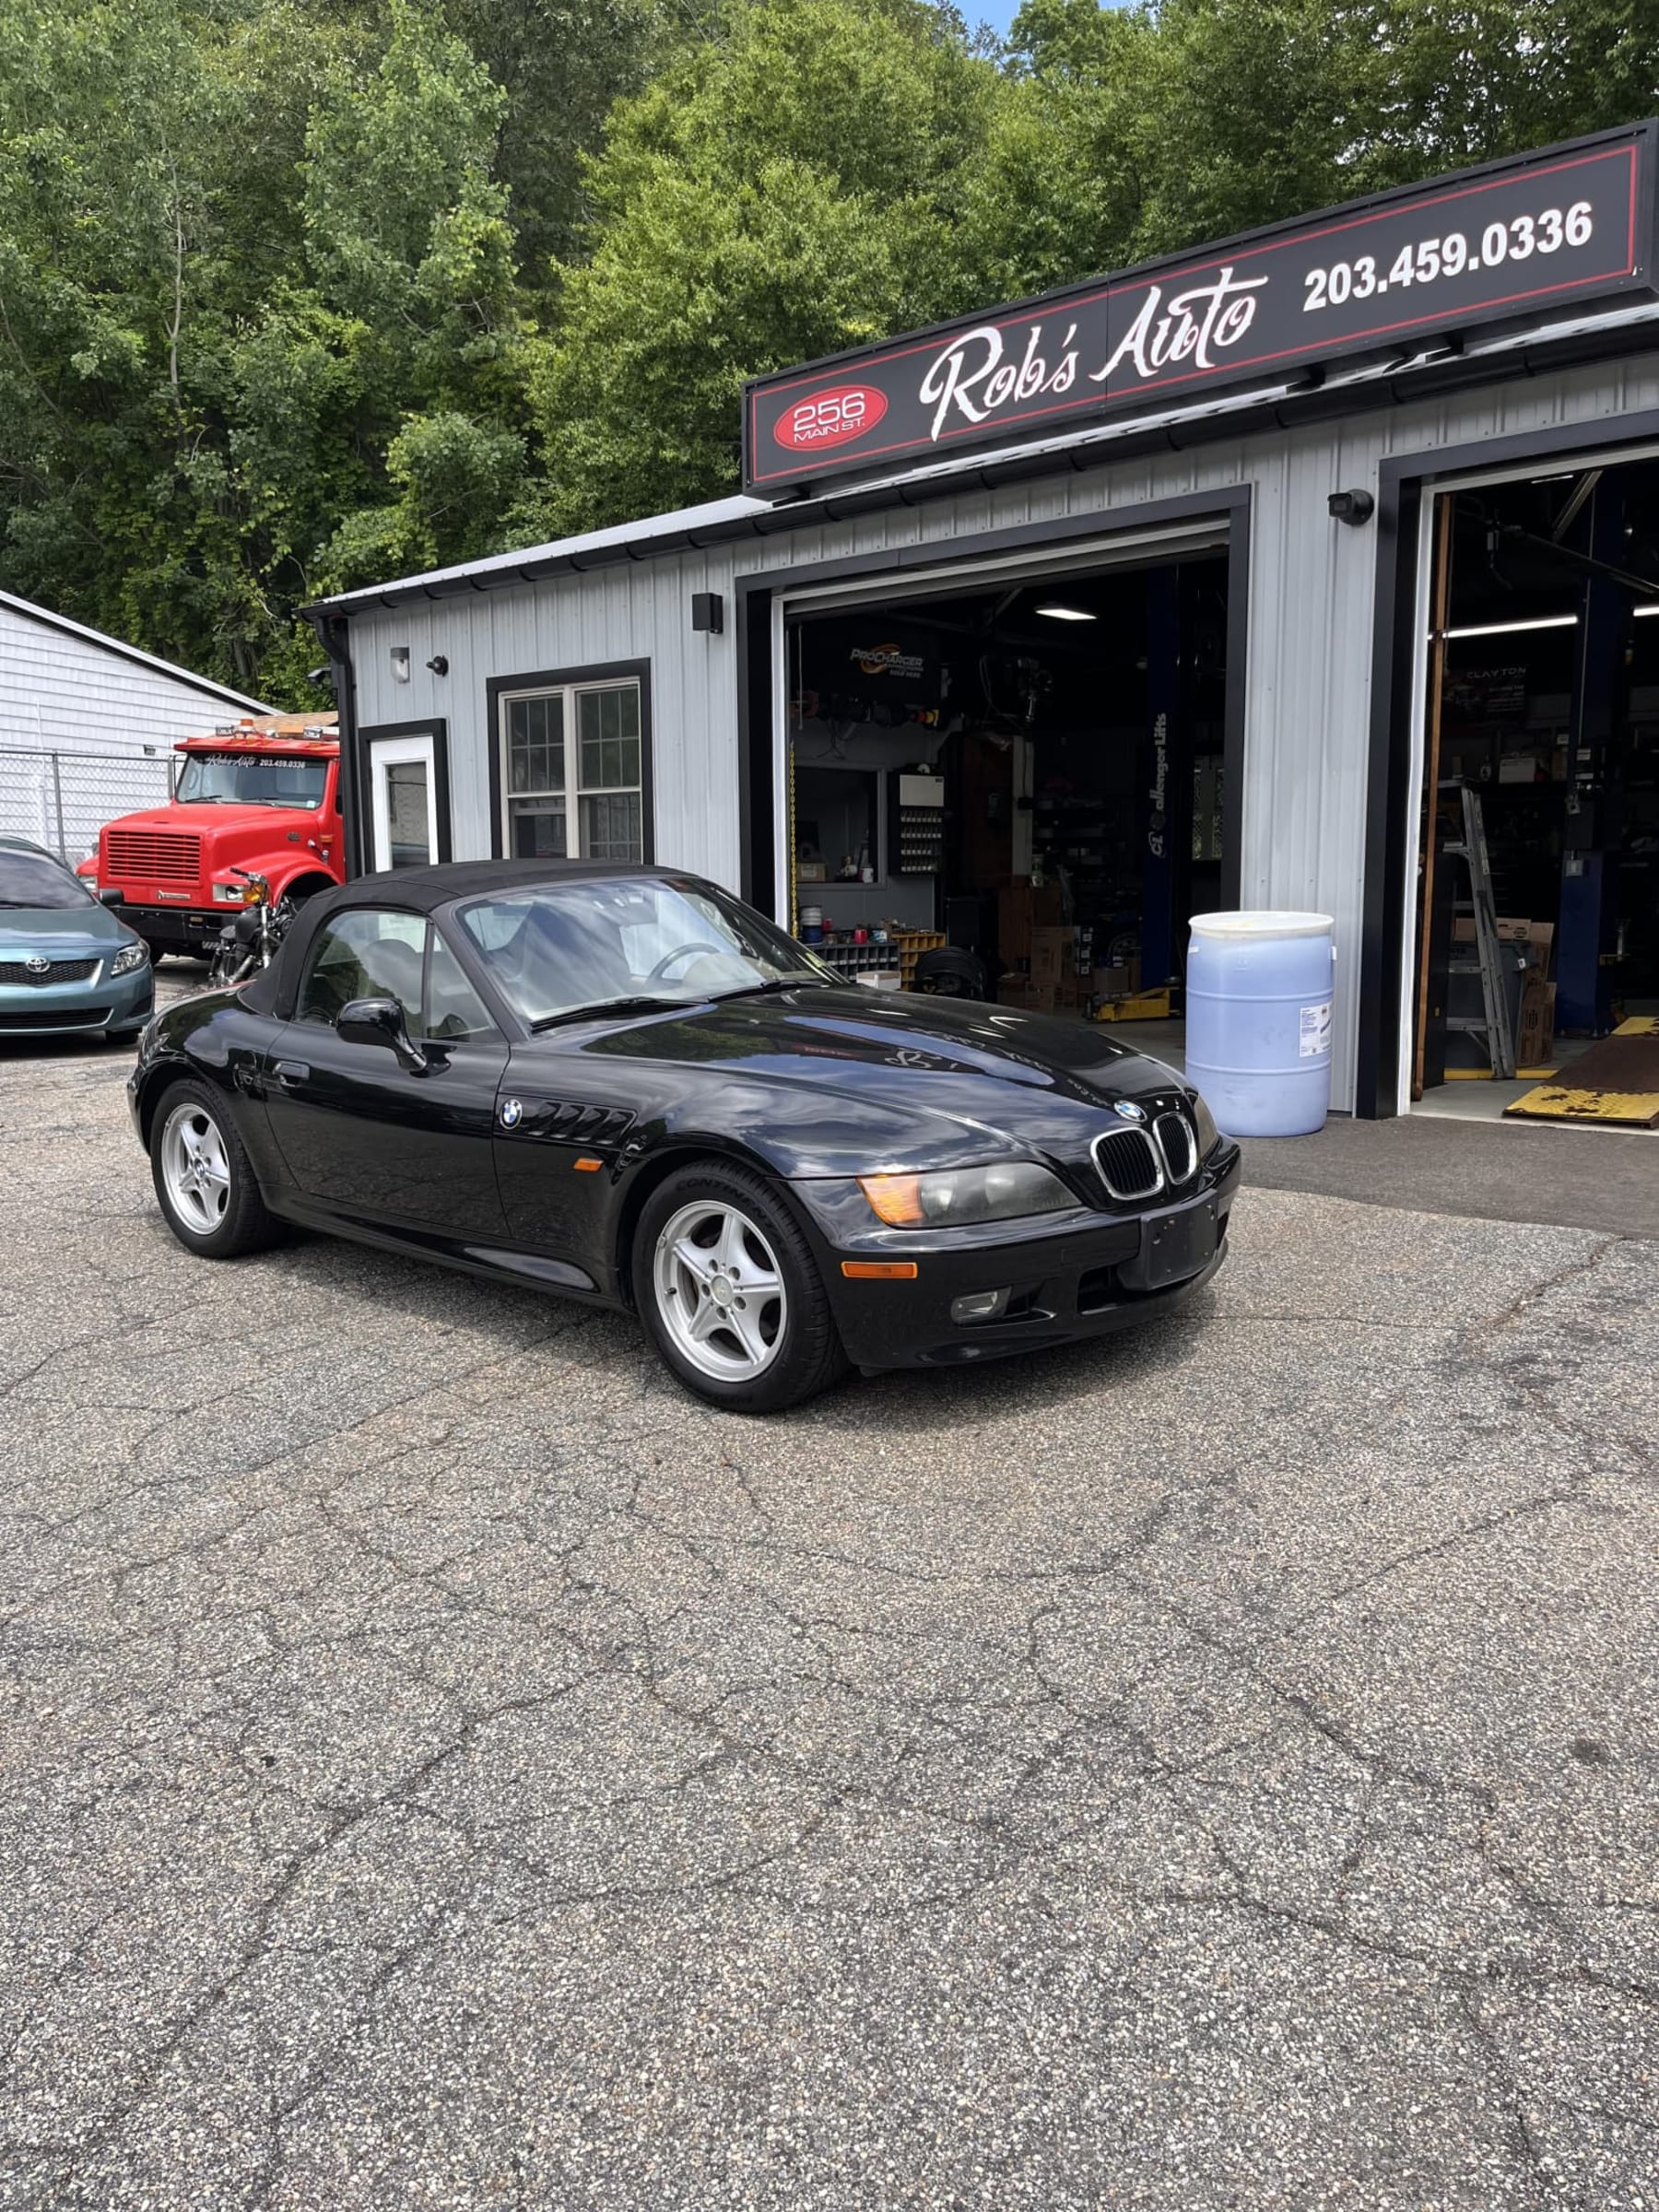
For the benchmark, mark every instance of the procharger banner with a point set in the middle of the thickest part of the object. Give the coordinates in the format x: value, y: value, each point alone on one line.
x: 1512, y: 240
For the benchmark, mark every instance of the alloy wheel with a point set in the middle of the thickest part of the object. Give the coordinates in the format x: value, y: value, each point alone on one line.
x: 720, y: 1290
x: 194, y: 1169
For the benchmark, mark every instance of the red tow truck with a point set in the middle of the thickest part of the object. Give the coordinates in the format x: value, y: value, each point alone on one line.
x: 262, y: 796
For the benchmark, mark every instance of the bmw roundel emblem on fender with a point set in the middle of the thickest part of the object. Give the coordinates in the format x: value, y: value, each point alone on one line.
x: 512, y: 1113
x: 1130, y: 1111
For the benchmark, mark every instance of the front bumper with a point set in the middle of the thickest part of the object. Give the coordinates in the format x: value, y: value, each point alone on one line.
x: 98, y: 1004
x: 192, y: 929
x: 1070, y: 1275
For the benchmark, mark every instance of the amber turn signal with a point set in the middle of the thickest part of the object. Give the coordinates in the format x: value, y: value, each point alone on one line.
x: 895, y: 1198
x: 589, y: 1167
x: 879, y: 1271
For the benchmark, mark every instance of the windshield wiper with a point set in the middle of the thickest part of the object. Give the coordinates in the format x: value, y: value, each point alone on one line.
x: 777, y: 982
x: 643, y: 1004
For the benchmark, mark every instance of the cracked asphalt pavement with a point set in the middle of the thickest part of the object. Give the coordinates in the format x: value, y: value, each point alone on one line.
x: 441, y: 1765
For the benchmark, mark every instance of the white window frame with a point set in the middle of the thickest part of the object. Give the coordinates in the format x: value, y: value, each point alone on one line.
x: 574, y: 791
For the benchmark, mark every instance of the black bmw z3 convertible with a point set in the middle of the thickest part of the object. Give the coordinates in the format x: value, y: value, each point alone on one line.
x: 622, y: 1085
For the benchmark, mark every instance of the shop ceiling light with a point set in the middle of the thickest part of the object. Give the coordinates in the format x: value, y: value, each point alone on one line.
x: 1058, y: 613
x: 1506, y: 629
x: 1651, y: 608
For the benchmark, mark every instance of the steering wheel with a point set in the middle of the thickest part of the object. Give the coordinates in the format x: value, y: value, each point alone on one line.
x: 721, y: 952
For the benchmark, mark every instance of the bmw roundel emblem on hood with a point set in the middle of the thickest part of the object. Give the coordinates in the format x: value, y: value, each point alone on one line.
x: 1130, y: 1109
x: 512, y: 1113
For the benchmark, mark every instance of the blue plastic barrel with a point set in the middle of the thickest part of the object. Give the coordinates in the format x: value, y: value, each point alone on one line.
x: 1258, y: 1036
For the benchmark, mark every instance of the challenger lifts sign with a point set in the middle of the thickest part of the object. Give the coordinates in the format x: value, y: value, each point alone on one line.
x: 1514, y: 239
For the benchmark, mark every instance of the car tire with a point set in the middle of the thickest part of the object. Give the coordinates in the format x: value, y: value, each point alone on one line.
x: 219, y: 1214
x: 729, y: 1292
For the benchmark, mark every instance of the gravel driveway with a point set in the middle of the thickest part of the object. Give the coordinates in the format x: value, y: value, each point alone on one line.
x: 441, y: 1765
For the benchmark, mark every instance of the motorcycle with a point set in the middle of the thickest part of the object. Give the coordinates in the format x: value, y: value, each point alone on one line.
x: 248, y: 942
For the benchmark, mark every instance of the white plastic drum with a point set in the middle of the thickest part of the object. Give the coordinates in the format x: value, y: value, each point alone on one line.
x: 1258, y: 1040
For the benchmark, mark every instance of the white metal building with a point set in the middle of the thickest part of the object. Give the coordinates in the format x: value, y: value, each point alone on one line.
x: 1310, y: 498
x: 88, y: 724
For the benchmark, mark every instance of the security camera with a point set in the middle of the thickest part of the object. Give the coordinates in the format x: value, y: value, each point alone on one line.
x: 321, y: 675
x: 1354, y: 507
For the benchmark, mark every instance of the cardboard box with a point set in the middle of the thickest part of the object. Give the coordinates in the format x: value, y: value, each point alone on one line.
x: 1518, y: 767
x: 1051, y: 956
x: 1112, y: 983
x: 1020, y: 991
x: 1022, y: 910
x: 1535, y: 1033
x: 1534, y: 939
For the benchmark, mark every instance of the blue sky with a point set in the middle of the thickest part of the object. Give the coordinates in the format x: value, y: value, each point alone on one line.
x: 999, y: 14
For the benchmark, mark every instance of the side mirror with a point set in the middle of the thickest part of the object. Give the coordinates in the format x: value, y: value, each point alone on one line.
x: 111, y: 895
x: 381, y: 1021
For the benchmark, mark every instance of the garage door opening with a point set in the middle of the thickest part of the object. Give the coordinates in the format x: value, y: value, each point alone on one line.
x: 1018, y: 790
x: 1540, y: 794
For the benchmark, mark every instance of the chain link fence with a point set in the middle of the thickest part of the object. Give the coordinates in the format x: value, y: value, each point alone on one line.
x: 63, y: 800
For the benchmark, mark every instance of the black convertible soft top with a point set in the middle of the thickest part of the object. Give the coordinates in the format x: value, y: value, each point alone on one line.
x: 417, y: 891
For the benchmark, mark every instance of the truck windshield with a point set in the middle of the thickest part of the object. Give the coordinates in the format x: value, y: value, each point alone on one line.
x: 248, y: 780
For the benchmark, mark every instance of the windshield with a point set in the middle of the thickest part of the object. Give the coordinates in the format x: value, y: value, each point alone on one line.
x: 247, y: 780
x: 35, y: 880
x: 562, y: 947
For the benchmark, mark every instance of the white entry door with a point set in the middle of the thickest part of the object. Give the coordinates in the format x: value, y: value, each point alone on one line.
x: 403, y: 777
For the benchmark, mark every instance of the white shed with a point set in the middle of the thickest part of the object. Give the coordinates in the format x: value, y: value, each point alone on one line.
x: 88, y: 724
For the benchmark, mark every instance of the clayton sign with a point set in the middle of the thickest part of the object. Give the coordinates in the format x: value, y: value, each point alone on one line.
x: 1536, y: 234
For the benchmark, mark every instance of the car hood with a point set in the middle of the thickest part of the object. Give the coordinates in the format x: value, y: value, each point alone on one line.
x: 59, y: 933
x: 829, y: 1082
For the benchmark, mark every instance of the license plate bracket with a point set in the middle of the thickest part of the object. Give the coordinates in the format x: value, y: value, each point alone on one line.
x: 1175, y: 1245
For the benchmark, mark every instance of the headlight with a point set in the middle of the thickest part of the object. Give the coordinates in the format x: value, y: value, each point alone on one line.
x: 1204, y: 1121
x: 999, y: 1193
x: 129, y: 958
x: 228, y: 894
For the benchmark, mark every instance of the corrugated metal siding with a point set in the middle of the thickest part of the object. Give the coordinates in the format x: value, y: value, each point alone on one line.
x: 1307, y: 726
x: 65, y: 694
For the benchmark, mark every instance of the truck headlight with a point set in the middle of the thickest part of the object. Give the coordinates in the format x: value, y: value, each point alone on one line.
x: 129, y: 958
x: 227, y: 894
x: 1004, y: 1192
x: 1204, y: 1121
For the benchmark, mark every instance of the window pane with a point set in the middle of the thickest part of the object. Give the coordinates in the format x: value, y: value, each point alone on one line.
x: 537, y: 829
x: 611, y: 827
x: 609, y: 723
x: 453, y: 1008
x: 536, y: 743
x: 407, y: 819
x: 369, y: 954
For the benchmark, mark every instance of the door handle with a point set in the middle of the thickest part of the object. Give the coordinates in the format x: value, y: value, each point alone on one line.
x: 291, y: 1071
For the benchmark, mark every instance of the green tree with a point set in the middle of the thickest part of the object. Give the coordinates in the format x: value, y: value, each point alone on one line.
x: 786, y: 188
x: 259, y: 331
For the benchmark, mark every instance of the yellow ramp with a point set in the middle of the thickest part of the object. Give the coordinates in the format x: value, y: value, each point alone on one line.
x: 1616, y: 1083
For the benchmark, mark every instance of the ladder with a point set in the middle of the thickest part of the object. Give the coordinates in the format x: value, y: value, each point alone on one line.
x: 1487, y: 962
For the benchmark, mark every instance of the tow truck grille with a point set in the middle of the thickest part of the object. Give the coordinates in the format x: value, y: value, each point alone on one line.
x: 157, y: 855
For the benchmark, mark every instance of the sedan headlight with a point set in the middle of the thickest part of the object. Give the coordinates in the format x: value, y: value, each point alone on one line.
x: 1204, y: 1121
x: 999, y: 1193
x: 130, y: 956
